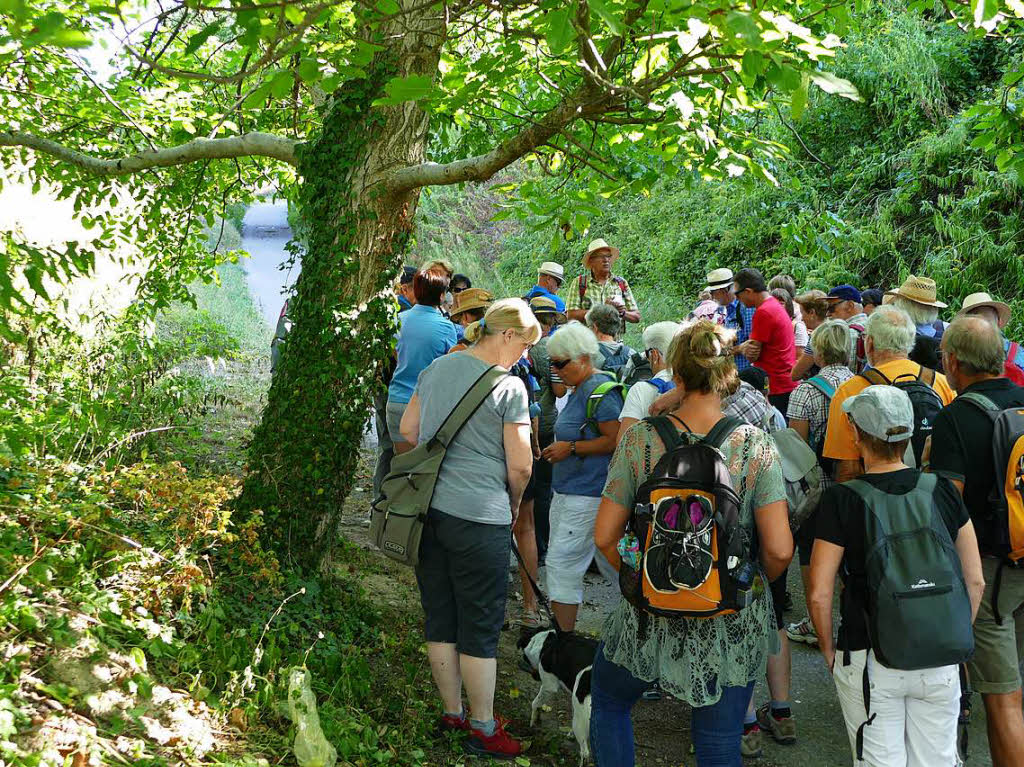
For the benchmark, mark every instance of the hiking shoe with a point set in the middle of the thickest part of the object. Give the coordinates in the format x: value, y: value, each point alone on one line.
x: 783, y: 730
x: 531, y: 619
x: 802, y: 632
x: 500, y: 745
x: 451, y: 723
x: 750, y: 743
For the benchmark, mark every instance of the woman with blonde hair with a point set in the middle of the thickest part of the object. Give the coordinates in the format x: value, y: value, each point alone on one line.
x: 463, y: 558
x: 814, y: 311
x: 711, y: 663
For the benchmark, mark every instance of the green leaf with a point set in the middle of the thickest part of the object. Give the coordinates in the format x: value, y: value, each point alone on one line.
x: 387, y: 7
x: 608, y: 16
x: 837, y: 86
x: 281, y: 84
x: 783, y: 78
x: 70, y: 38
x: 411, y: 88
x: 200, y: 37
x: 752, y: 65
x: 560, y: 32
x: 293, y: 14
x: 799, y: 98
x: 984, y: 11
x: 742, y: 26
x: 309, y: 70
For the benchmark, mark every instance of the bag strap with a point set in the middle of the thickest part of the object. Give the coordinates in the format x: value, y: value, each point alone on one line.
x: 875, y: 377
x: 721, y: 430
x: 666, y: 430
x: 600, y: 392
x: 980, y: 401
x: 823, y: 386
x: 470, y: 402
x: 926, y: 375
x: 581, y: 283
x: 1011, y: 353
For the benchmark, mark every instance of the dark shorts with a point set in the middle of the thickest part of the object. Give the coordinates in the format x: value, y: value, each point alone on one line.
x: 805, y: 539
x: 463, y: 580
x: 778, y: 588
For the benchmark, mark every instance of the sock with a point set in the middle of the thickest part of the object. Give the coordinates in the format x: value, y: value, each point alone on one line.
x: 487, y: 728
x: 780, y: 709
x: 749, y: 721
x: 460, y: 716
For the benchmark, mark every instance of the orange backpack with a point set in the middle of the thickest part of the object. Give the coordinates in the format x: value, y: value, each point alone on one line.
x: 690, y: 556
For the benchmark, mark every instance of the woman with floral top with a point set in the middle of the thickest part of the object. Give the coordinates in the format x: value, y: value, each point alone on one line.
x: 710, y: 663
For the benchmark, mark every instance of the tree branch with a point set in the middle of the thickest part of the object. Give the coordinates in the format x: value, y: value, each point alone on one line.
x: 481, y: 167
x: 246, y: 145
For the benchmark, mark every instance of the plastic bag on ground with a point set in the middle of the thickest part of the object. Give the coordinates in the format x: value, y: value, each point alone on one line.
x: 311, y: 747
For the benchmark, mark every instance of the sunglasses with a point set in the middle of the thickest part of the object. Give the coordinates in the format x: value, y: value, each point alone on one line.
x: 456, y: 291
x: 559, y: 364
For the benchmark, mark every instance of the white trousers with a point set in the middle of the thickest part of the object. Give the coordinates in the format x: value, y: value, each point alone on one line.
x: 571, y: 547
x: 915, y: 712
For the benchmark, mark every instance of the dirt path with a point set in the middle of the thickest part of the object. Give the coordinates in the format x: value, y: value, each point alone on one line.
x: 662, y: 728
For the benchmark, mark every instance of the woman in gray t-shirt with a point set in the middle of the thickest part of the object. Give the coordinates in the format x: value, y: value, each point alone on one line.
x: 463, y: 559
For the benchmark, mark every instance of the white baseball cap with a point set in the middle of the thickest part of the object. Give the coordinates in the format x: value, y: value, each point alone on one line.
x: 882, y: 411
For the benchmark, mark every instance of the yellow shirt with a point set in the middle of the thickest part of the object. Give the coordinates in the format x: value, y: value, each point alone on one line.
x: 839, y: 435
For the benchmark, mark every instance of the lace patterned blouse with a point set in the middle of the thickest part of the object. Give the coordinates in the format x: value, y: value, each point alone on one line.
x: 693, y: 658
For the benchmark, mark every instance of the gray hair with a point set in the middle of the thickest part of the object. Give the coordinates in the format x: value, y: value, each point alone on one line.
x: 919, y: 313
x: 605, y: 319
x: 831, y: 342
x: 977, y: 345
x: 891, y: 330
x: 574, y: 340
x: 659, y: 336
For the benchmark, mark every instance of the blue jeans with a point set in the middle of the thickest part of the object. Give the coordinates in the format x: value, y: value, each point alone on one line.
x: 613, y: 693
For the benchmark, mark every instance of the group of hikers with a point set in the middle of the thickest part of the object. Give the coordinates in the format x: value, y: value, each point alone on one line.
x: 855, y: 428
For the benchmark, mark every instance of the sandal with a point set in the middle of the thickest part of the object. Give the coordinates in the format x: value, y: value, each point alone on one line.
x: 530, y: 619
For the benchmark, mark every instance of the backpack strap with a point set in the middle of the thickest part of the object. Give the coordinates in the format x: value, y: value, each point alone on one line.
x: 721, y: 430
x: 926, y: 375
x: 581, y: 283
x: 470, y: 402
x: 622, y: 285
x: 666, y: 430
x: 980, y: 401
x: 1012, y: 352
x: 875, y: 377
x: 823, y: 386
x: 602, y: 390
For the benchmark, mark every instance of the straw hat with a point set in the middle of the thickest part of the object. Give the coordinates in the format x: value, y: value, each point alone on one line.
x: 552, y: 269
x: 471, y: 298
x: 598, y: 245
x: 920, y: 290
x: 978, y: 300
x: 541, y: 305
x: 719, y: 278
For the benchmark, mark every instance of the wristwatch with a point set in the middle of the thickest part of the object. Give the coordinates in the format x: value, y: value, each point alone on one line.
x: 572, y: 447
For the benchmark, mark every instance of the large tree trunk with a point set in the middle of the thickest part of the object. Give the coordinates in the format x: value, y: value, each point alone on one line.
x: 303, y: 454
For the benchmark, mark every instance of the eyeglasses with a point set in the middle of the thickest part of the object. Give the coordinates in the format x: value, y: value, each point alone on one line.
x: 559, y: 364
x: 456, y: 291
x: 647, y: 352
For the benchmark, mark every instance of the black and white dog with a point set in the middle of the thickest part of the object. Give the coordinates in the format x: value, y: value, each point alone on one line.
x: 562, y: 660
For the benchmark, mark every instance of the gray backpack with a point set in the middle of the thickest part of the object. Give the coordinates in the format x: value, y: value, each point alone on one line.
x: 398, y: 515
x: 918, y: 611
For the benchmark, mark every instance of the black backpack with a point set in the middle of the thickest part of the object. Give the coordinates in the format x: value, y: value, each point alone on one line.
x: 926, y: 402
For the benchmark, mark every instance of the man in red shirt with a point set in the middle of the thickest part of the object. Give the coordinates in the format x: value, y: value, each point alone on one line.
x: 771, y: 346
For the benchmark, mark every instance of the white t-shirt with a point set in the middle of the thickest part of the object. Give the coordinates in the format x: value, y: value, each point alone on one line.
x: 641, y: 396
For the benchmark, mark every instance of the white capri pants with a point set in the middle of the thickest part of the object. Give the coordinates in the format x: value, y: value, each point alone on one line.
x: 571, y: 547
x: 915, y: 712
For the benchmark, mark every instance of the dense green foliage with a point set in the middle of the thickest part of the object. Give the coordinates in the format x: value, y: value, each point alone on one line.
x: 884, y: 188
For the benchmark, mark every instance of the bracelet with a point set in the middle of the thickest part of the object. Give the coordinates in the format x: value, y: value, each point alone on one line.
x: 572, y: 447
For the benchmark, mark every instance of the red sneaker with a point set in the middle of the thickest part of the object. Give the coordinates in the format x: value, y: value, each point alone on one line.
x: 500, y: 745
x: 454, y: 723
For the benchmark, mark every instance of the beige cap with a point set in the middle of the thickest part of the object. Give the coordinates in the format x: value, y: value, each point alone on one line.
x: 541, y: 305
x: 552, y: 269
x: 596, y: 246
x: 920, y: 290
x: 719, y: 278
x: 471, y: 298
x: 978, y: 300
